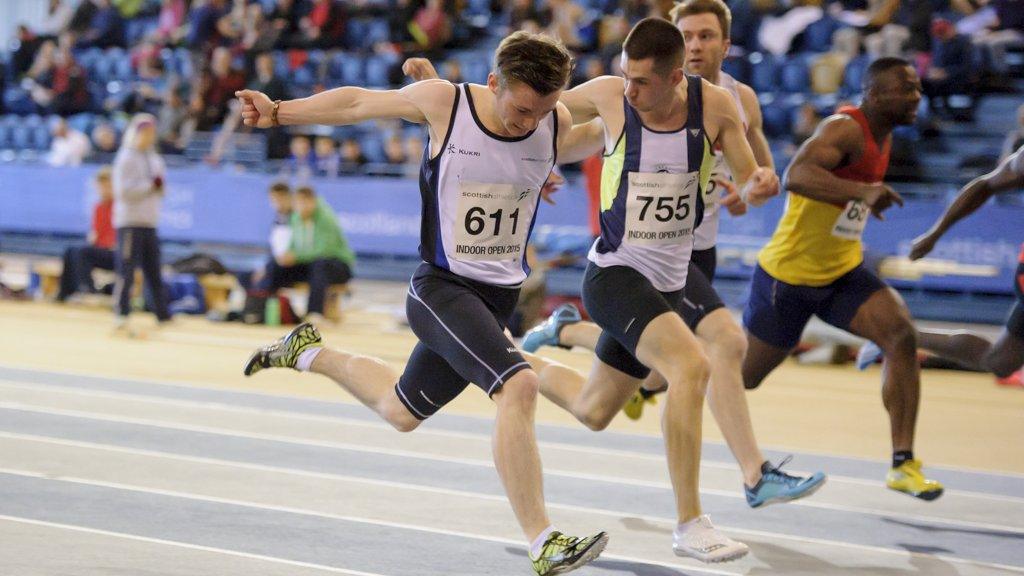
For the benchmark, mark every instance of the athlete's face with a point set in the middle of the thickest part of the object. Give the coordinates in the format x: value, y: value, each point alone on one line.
x: 646, y: 88
x: 897, y: 93
x: 520, y: 108
x: 706, y: 47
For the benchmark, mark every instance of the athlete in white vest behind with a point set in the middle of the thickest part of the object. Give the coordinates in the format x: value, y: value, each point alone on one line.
x: 489, y: 154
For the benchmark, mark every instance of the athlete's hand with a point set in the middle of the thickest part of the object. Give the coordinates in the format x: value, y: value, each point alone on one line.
x: 922, y: 245
x: 551, y: 185
x: 731, y: 201
x: 419, y: 69
x: 762, y: 185
x: 880, y: 197
x: 256, y: 107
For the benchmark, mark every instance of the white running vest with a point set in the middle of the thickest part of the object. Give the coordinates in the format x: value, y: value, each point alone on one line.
x: 707, y: 234
x: 480, y: 196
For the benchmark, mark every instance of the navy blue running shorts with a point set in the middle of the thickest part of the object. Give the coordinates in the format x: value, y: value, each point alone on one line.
x: 461, y: 327
x: 777, y: 312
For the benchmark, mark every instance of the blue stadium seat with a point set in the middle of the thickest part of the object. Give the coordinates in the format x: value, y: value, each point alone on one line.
x: 818, y: 35
x: 794, y: 76
x: 377, y: 31
x: 5, y: 132
x: 377, y: 70
x: 346, y: 69
x: 738, y: 68
x: 82, y: 122
x: 475, y: 67
x: 373, y: 147
x: 357, y: 30
x: 764, y: 72
x: 853, y: 77
x: 41, y: 137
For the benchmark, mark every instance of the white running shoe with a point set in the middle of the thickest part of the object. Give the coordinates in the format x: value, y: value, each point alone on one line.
x: 701, y: 540
x: 869, y: 354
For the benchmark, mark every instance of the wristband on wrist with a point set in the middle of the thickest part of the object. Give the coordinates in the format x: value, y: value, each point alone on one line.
x: 273, y: 113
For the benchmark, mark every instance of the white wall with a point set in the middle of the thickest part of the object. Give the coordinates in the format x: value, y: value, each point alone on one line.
x: 14, y: 12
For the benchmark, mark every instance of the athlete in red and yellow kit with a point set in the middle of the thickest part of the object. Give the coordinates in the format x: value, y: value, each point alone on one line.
x: 813, y: 265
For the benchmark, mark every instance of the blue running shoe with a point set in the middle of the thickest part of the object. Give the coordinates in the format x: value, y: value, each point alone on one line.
x: 777, y: 486
x: 546, y: 333
x: 868, y: 355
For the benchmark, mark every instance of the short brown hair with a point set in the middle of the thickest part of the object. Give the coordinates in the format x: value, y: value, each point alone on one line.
x: 695, y: 7
x: 541, y: 62
x: 306, y: 191
x: 658, y: 39
x: 280, y: 188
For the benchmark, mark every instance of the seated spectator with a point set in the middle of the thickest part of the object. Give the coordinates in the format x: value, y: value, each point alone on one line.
x: 318, y: 253
x: 175, y: 121
x: 258, y: 33
x: 26, y: 55
x: 324, y: 26
x: 79, y: 261
x: 352, y: 156
x: 170, y: 22
x: 950, y: 68
x: 58, y: 16
x: 220, y: 85
x: 104, y: 139
x: 302, y: 163
x: 806, y: 122
x: 328, y: 161
x: 1015, y: 137
x: 106, y: 28
x: 68, y: 147
x: 281, y: 230
x: 1002, y: 27
x: 431, y: 27
x: 285, y: 18
x: 394, y: 149
x: 202, y: 24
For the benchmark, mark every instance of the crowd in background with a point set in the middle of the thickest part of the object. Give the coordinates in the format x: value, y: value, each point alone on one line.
x: 186, y: 58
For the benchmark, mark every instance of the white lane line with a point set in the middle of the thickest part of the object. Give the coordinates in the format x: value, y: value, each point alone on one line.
x: 240, y: 391
x: 609, y: 452
x: 188, y: 546
x: 340, y: 517
x: 618, y: 515
x: 168, y: 425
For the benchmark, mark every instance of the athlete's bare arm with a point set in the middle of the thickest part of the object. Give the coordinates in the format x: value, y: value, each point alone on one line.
x: 722, y: 119
x: 427, y: 102
x: 838, y: 141
x: 593, y: 98
x: 755, y: 127
x: 972, y: 196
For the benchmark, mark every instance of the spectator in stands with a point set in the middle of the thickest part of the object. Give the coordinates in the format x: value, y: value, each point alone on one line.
x: 106, y: 28
x: 68, y: 146
x: 104, y: 140
x: 394, y: 149
x: 318, y: 253
x: 221, y: 83
x: 79, y: 261
x: 62, y: 88
x: 170, y: 22
x: 202, y: 26
x: 285, y: 18
x: 1003, y: 27
x: 82, y: 16
x: 258, y: 34
x: 352, y: 156
x: 1014, y: 138
x: 324, y: 26
x: 231, y: 26
x: 302, y: 163
x: 280, y: 230
x: 524, y: 14
x: 566, y: 20
x: 414, y: 151
x: 452, y: 70
x: 58, y: 16
x: 327, y: 158
x: 950, y: 68
x: 806, y: 122
x: 175, y: 121
x: 26, y: 55
x: 138, y: 178
x: 431, y: 27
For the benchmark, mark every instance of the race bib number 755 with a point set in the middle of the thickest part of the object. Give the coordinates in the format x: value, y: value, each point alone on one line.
x: 491, y: 220
x: 661, y: 207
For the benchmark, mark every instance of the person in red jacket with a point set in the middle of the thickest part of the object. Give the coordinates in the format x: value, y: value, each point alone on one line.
x: 79, y: 261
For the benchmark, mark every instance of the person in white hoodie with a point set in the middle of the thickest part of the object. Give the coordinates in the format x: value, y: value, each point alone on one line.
x: 138, y: 176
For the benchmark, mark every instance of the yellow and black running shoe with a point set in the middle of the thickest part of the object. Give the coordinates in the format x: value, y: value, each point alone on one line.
x: 284, y: 353
x: 562, y: 553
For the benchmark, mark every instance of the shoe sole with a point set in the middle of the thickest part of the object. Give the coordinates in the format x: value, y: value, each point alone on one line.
x: 589, y: 555
x: 784, y: 499
x: 926, y: 496
x: 735, y: 555
x: 251, y: 365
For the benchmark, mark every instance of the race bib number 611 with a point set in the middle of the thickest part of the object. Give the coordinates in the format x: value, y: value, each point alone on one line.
x: 491, y: 220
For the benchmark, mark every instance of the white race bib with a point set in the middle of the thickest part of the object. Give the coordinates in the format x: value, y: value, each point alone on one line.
x: 491, y: 220
x: 661, y: 207
x: 851, y: 221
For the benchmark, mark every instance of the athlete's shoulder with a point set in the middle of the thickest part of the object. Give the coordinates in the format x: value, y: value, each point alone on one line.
x: 840, y: 131
x: 434, y: 93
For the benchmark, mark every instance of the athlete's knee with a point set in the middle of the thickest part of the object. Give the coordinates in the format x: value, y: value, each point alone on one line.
x: 596, y: 420
x: 752, y: 378
x: 520, y: 391
x: 392, y: 410
x: 901, y: 338
x: 690, y: 371
x: 728, y: 345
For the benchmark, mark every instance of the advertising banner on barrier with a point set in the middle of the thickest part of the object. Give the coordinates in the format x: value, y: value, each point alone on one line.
x: 382, y: 216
